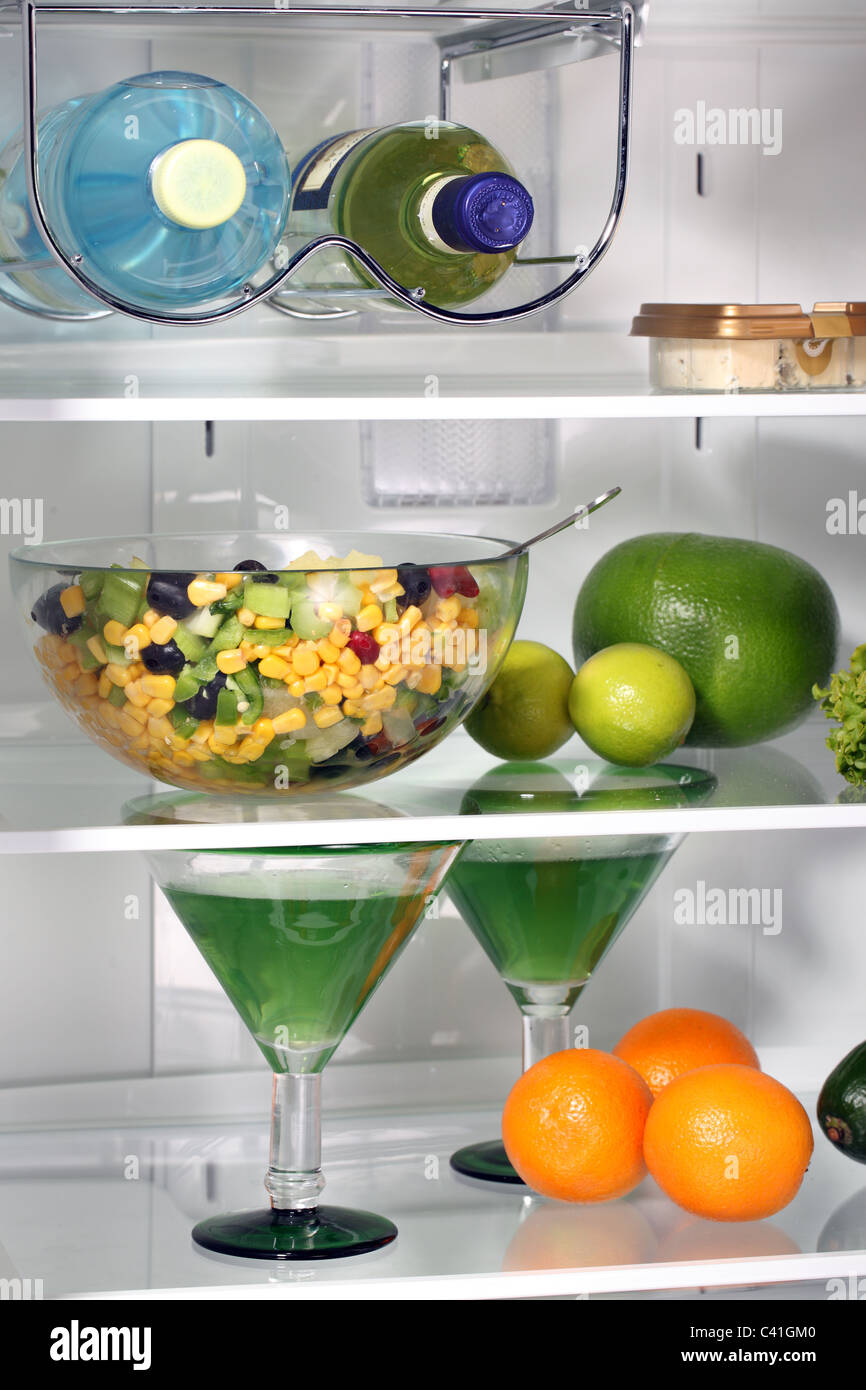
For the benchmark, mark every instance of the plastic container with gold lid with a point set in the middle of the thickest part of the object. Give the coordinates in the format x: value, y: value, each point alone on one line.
x: 754, y: 347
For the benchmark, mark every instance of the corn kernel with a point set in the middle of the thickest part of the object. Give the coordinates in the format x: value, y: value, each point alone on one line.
x: 317, y: 681
x: 326, y: 716
x: 385, y: 633
x: 431, y: 679
x: 263, y: 730
x: 448, y: 608
x: 95, y: 647
x: 297, y: 688
x: 157, y: 708
x: 246, y: 617
x: 340, y: 632
x: 350, y: 663
x: 268, y: 624
x: 394, y: 675
x: 104, y: 685
x: 230, y: 661
x: 137, y: 636
x: 231, y: 579
x: 163, y: 630
x: 274, y: 668
x: 286, y: 648
x: 129, y: 725
x: 385, y: 579
x: 329, y: 612
x: 346, y: 679
x: 136, y: 696
x: 135, y: 712
x: 114, y: 633
x: 150, y: 617
x: 201, y: 592
x: 72, y: 601
x: 380, y: 699
x: 331, y: 673
x: 411, y: 616
x: 86, y: 684
x: 327, y: 651
x: 369, y: 617
x: 203, y: 732
x: 159, y: 728
x: 118, y: 675
x: 354, y: 692
x: 305, y: 662
x: 368, y: 676
x: 352, y: 709
x: 251, y: 749
x: 289, y: 721
x: 468, y: 617
x: 183, y: 759
x: 372, y: 726
x: 159, y: 687
x: 331, y: 694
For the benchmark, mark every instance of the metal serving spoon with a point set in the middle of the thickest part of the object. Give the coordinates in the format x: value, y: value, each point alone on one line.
x: 575, y: 516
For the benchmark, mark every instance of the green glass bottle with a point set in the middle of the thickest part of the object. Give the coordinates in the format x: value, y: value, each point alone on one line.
x: 433, y: 202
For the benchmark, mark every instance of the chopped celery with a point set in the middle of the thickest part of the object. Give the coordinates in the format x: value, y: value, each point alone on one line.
x: 184, y: 723
x: 205, y: 670
x: 91, y: 583
x: 267, y: 600
x: 192, y: 646
x: 121, y: 595
x: 117, y: 696
x: 268, y: 637
x: 186, y: 685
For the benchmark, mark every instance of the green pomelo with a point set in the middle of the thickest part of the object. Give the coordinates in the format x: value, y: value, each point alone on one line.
x: 753, y: 626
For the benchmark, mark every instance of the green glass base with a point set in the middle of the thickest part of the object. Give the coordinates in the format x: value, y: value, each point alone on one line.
x: 488, y: 1161
x: 321, y: 1233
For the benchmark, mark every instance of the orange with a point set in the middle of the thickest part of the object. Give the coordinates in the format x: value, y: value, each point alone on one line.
x: 573, y: 1126
x: 579, y: 1237
x: 728, y: 1143
x: 673, y: 1041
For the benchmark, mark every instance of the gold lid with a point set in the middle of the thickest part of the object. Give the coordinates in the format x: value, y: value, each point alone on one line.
x: 751, y: 321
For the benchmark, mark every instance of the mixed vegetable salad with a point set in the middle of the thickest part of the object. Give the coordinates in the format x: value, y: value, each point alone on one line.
x: 263, y: 680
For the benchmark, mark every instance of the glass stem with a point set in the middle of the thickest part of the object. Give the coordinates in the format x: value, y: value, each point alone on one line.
x: 294, y: 1178
x: 544, y: 1034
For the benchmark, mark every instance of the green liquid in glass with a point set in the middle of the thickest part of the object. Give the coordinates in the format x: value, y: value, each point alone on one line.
x: 297, y: 969
x: 546, y: 912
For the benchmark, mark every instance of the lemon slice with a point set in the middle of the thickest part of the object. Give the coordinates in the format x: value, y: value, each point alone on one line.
x: 198, y: 183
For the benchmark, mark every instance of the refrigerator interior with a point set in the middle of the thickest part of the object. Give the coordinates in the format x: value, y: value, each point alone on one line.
x: 119, y: 1054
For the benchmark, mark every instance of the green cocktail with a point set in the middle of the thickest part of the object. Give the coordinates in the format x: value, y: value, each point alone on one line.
x: 546, y: 914
x: 299, y: 939
x: 546, y: 909
x: 297, y: 968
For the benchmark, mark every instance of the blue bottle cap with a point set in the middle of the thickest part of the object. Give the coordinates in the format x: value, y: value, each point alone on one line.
x: 483, y: 212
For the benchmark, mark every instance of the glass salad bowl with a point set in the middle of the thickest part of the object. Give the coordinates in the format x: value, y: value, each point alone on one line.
x: 261, y: 662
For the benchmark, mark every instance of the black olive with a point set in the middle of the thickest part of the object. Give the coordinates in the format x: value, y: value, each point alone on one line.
x: 203, y: 705
x: 416, y: 584
x: 48, y: 612
x: 167, y: 593
x: 264, y: 576
x: 163, y: 658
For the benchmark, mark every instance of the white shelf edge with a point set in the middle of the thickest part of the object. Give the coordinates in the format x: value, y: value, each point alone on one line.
x: 471, y: 407
x: 763, y: 1269
x: 416, y: 829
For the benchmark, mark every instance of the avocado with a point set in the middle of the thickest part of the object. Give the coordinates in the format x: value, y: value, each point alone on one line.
x: 842, y: 1105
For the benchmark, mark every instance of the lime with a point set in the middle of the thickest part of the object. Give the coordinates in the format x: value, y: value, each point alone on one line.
x: 754, y: 626
x: 524, y: 714
x: 632, y: 704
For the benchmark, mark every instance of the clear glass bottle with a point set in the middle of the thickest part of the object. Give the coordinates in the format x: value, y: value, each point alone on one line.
x: 172, y: 187
x: 433, y: 202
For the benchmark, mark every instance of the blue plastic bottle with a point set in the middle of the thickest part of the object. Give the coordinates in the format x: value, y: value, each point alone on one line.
x: 172, y: 187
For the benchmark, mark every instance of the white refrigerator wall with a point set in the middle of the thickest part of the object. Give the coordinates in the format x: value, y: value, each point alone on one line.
x: 118, y: 988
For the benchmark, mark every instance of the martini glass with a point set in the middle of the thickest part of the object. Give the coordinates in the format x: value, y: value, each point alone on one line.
x: 299, y: 938
x: 546, y: 910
